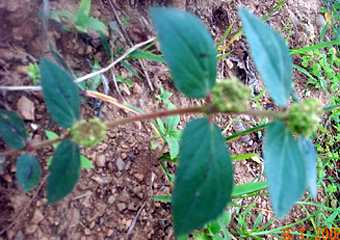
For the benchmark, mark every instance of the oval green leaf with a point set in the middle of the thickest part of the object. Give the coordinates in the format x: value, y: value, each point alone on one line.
x: 271, y: 56
x: 64, y: 171
x: 284, y: 167
x: 12, y: 129
x: 188, y: 49
x: 28, y: 172
x: 60, y: 92
x: 204, y: 177
x: 310, y: 157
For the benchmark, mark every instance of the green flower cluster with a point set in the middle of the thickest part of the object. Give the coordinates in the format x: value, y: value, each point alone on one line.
x: 89, y: 133
x: 230, y: 95
x: 304, y: 117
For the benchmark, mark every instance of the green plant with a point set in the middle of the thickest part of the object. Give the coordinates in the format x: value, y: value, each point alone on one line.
x: 33, y: 72
x: 85, y: 163
x: 80, y: 19
x: 321, y: 68
x: 168, y: 128
x: 204, y: 176
x: 93, y: 83
x: 331, y: 11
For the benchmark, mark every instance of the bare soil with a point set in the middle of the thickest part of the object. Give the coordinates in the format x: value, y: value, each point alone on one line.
x: 114, y: 200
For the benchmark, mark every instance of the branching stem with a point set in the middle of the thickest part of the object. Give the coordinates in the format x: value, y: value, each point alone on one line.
x: 31, y: 148
x: 153, y: 115
x: 205, y: 109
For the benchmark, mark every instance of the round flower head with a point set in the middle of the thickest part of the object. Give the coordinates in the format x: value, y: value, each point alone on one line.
x: 230, y: 95
x: 304, y: 117
x: 88, y: 133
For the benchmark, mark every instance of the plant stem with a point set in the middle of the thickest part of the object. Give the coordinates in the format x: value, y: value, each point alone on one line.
x: 269, y: 114
x: 196, y: 109
x: 148, y: 116
x: 153, y: 115
x: 31, y: 148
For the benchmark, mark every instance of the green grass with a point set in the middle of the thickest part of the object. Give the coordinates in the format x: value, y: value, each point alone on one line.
x: 321, y: 68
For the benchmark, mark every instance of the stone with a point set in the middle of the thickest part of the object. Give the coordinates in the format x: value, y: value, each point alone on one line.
x: 120, y: 164
x: 30, y: 229
x: 109, y: 233
x: 111, y: 200
x: 37, y: 217
x: 100, y: 161
x: 87, y: 231
x: 140, y: 177
x: 121, y: 206
x: 101, y: 179
x: 19, y: 236
x: 26, y: 108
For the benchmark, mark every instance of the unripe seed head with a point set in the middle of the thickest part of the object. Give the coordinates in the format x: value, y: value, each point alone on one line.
x: 89, y: 133
x: 230, y: 95
x: 304, y: 117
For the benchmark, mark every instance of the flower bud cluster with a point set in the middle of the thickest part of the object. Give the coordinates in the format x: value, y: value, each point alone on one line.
x: 304, y: 117
x: 89, y: 132
x: 230, y: 95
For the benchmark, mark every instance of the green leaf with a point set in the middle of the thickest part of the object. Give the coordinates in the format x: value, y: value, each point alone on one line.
x: 59, y: 16
x: 28, y: 171
x: 85, y: 163
x: 84, y: 22
x: 188, y: 49
x: 84, y: 8
x: 51, y: 136
x: 61, y: 94
x: 165, y: 198
x: 204, y: 177
x: 90, y: 23
x: 93, y: 83
x: 247, y: 188
x: 284, y: 167
x: 310, y: 156
x: 271, y: 57
x: 173, y: 143
x: 146, y: 55
x: 12, y: 129
x: 244, y: 156
x: 64, y: 171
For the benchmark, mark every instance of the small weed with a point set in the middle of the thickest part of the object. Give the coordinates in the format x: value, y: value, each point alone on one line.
x: 33, y: 73
x: 168, y: 128
x: 331, y: 12
x: 80, y: 20
x: 85, y: 163
x: 93, y: 83
x: 322, y: 69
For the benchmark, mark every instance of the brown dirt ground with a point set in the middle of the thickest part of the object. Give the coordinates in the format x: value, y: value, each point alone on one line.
x: 113, y: 201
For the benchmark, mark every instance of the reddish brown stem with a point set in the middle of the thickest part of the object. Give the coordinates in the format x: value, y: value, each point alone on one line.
x: 166, y: 113
x: 31, y: 148
x: 148, y: 116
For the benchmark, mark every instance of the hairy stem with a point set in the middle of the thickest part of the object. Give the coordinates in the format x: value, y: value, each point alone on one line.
x: 149, y: 116
x: 31, y: 148
x: 207, y: 109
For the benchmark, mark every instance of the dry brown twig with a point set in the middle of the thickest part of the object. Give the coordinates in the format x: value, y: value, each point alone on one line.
x: 127, y: 38
x: 87, y: 76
